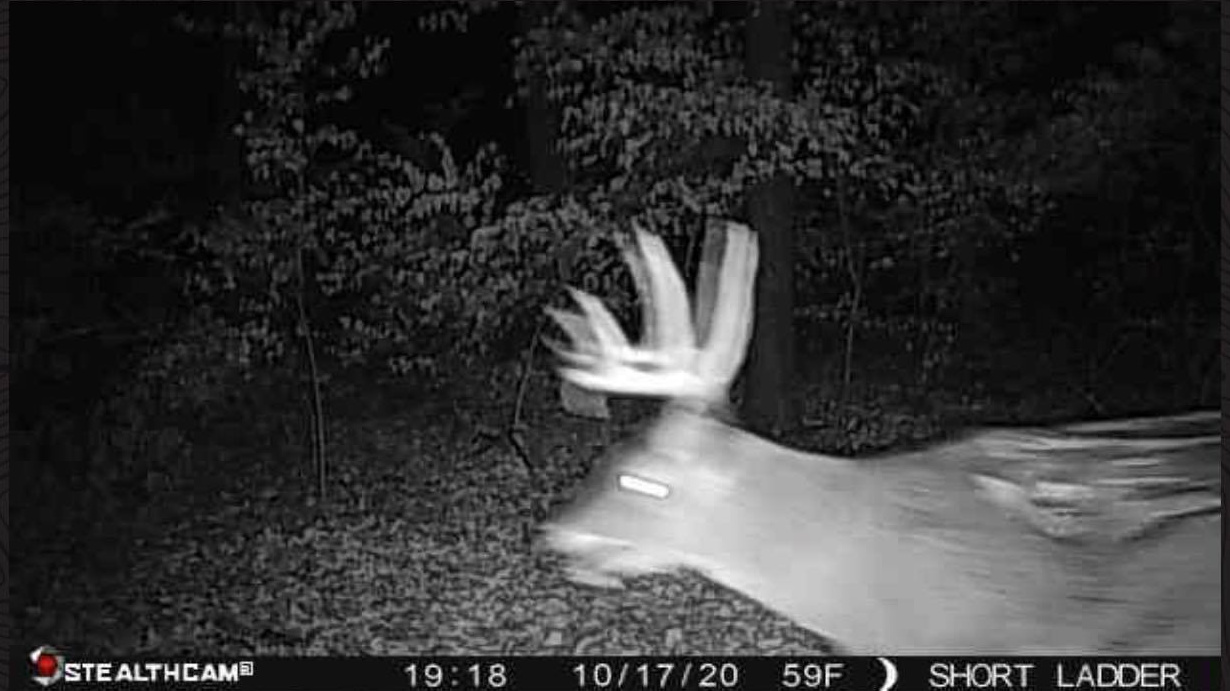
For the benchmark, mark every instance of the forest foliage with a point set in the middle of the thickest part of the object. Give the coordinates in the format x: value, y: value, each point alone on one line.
x: 952, y: 183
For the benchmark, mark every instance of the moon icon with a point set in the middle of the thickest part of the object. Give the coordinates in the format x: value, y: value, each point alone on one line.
x: 890, y: 674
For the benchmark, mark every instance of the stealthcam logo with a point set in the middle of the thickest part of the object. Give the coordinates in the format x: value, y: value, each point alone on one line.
x: 48, y: 665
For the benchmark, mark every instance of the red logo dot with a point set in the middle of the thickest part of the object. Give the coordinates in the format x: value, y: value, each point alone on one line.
x: 46, y: 665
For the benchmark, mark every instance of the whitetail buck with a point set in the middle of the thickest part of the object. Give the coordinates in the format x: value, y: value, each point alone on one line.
x: 1094, y: 538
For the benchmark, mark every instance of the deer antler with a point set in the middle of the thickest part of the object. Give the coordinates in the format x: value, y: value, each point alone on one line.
x: 669, y: 362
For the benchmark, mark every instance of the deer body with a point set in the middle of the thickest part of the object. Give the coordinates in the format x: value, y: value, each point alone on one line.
x: 941, y: 550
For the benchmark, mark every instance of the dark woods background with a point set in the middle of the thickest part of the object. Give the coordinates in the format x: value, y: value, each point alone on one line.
x: 279, y: 252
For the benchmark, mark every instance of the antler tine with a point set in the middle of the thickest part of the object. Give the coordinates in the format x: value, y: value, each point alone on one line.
x: 667, y: 316
x: 668, y: 361
x: 707, y: 281
x: 732, y: 318
x: 632, y: 255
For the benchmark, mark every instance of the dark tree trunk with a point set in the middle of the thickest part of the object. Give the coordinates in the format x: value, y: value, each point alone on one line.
x: 547, y: 170
x: 225, y: 166
x: 770, y: 401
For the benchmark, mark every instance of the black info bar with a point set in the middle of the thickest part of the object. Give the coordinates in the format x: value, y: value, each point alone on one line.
x: 731, y: 673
